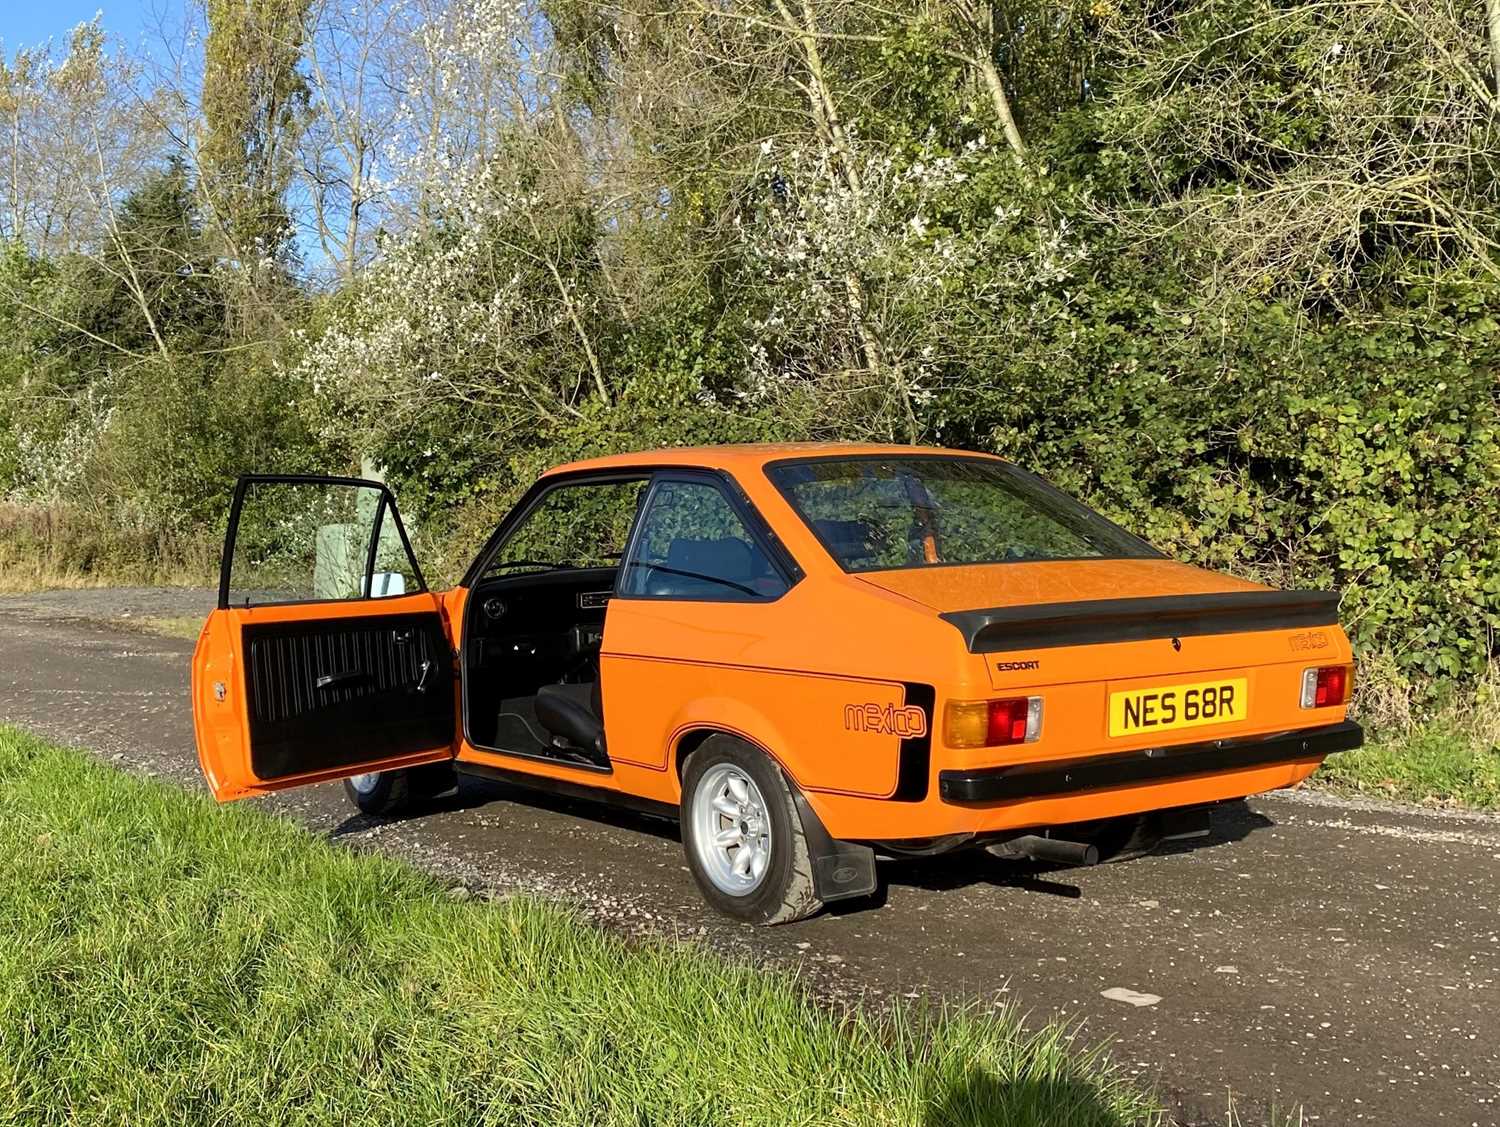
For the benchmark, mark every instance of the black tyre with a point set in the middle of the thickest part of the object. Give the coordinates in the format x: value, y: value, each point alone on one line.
x: 743, y: 838
x: 388, y: 793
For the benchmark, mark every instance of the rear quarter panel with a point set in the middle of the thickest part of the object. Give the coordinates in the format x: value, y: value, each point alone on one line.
x: 801, y: 718
x: 816, y: 678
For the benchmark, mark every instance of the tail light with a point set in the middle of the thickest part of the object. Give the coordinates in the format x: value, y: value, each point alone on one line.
x: 1327, y: 685
x: 992, y: 723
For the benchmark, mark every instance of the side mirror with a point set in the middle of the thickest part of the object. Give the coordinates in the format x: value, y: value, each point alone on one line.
x: 384, y: 584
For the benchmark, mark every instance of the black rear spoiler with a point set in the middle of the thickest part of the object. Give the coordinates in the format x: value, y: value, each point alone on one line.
x: 1045, y: 625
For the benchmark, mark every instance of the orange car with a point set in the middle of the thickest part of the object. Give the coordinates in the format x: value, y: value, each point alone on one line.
x: 809, y: 654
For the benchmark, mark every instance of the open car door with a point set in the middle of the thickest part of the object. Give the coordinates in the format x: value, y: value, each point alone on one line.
x: 327, y: 656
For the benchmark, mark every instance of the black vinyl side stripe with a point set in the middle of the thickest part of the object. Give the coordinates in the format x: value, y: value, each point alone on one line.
x: 915, y: 763
x: 1046, y: 625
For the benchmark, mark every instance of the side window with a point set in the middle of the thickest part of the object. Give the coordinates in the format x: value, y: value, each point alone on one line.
x: 584, y: 524
x: 692, y: 544
x: 304, y: 541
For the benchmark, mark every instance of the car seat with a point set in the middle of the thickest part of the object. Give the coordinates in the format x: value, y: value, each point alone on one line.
x: 574, y: 716
x: 852, y: 541
x: 728, y: 558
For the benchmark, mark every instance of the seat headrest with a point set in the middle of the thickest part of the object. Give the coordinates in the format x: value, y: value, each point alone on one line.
x: 849, y: 539
x: 726, y: 558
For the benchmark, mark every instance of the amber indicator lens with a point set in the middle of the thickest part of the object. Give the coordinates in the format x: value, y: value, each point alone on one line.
x: 993, y: 723
x: 1326, y: 685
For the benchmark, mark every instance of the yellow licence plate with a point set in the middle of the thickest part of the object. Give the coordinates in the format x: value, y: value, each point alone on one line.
x: 1165, y: 707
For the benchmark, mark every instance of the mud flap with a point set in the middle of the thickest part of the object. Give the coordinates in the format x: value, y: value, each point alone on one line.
x: 840, y: 869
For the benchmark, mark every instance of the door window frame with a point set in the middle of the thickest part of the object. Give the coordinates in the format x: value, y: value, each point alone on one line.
x: 528, y: 503
x: 387, y: 501
x: 756, y: 527
x: 475, y: 576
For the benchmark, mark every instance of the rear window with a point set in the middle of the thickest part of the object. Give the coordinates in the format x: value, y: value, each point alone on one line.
x: 881, y: 514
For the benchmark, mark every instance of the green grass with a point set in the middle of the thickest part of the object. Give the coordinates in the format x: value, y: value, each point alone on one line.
x: 1440, y: 763
x: 165, y: 961
x: 1429, y: 744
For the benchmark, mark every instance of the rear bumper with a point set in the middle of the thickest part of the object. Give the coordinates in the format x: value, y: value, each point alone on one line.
x: 1097, y: 772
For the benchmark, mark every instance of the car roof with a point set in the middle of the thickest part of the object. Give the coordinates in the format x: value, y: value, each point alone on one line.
x: 748, y: 455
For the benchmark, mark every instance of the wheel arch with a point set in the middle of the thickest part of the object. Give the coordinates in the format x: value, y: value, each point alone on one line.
x: 693, y: 736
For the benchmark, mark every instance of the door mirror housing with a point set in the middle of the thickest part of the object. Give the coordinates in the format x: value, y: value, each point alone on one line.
x: 385, y: 584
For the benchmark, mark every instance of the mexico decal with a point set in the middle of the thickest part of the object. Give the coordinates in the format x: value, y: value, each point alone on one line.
x: 906, y: 721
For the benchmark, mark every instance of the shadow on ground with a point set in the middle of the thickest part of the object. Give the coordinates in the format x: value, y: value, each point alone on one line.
x: 1231, y: 822
x: 475, y: 792
x: 979, y: 1098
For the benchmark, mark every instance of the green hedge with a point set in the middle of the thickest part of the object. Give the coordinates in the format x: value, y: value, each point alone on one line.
x: 1358, y: 455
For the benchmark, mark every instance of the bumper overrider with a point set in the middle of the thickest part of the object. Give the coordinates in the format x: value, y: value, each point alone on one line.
x: 1146, y: 765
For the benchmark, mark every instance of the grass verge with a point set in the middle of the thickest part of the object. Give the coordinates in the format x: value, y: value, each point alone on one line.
x: 61, y: 547
x: 1433, y: 749
x: 170, y: 962
x: 1435, y: 764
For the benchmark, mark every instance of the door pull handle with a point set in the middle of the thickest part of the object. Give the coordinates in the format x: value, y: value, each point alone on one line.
x: 340, y: 680
x: 426, y: 673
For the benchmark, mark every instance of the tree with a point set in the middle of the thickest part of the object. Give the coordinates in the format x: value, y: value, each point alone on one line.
x: 152, y: 287
x: 354, y: 55
x: 1301, y: 148
x: 76, y: 130
x: 254, y: 97
x: 1493, y: 8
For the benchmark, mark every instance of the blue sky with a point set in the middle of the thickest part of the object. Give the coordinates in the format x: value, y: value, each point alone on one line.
x: 25, y: 23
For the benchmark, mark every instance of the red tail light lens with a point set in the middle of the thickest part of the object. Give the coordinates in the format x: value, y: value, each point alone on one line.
x: 1007, y: 722
x: 1327, y: 685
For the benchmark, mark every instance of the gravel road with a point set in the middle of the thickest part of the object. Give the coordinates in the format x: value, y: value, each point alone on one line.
x: 1340, y: 956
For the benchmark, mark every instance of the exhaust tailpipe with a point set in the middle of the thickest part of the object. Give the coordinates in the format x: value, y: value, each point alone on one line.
x: 1051, y: 850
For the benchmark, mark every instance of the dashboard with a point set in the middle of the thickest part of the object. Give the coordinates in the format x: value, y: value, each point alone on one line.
x: 534, y: 629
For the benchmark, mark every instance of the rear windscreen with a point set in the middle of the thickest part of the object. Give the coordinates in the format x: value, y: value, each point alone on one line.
x: 877, y: 514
